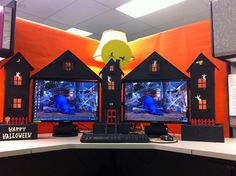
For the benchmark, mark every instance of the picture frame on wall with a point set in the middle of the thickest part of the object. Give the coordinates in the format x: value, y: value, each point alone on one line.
x: 7, y: 29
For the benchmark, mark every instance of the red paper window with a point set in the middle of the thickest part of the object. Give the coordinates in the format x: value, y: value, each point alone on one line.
x: 202, y: 105
x: 112, y: 68
x: 111, y: 85
x: 154, y: 67
x: 68, y: 66
x: 17, y: 80
x: 17, y: 103
x: 201, y: 83
x: 111, y: 116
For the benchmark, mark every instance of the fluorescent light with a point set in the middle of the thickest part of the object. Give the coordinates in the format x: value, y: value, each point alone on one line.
x: 79, y: 32
x: 138, y: 8
x: 1, y: 8
x: 1, y: 58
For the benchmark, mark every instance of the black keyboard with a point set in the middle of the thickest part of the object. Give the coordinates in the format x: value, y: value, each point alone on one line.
x: 114, y: 138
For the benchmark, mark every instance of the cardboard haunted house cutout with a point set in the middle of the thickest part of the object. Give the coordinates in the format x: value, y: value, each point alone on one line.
x: 202, y: 87
x: 154, y: 68
x: 111, y: 92
x: 16, y: 96
x: 67, y: 67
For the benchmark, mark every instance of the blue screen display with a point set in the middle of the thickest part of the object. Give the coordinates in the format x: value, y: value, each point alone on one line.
x: 163, y: 101
x: 65, y: 101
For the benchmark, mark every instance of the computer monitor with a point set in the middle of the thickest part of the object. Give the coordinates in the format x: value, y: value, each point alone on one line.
x: 65, y: 101
x: 156, y: 101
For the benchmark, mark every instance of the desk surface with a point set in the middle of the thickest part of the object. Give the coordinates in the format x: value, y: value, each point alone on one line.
x: 46, y: 143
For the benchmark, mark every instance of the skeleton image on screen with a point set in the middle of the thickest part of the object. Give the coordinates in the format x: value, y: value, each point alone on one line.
x: 65, y: 100
x: 156, y: 101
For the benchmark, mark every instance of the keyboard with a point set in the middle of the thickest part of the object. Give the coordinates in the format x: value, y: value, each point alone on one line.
x: 114, y: 138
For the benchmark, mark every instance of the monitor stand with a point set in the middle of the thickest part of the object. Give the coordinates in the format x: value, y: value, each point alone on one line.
x: 65, y: 129
x: 156, y: 129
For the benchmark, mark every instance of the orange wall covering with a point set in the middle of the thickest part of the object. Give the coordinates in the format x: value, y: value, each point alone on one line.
x: 41, y: 45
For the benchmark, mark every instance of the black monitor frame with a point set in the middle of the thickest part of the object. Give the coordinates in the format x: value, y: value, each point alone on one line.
x: 7, y: 52
x: 66, y: 121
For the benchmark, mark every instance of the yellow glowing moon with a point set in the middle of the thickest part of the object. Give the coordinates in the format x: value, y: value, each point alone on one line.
x: 116, y: 50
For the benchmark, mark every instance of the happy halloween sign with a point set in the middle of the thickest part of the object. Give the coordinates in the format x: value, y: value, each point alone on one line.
x: 18, y: 131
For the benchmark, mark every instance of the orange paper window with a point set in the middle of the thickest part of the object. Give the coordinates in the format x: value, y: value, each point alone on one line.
x: 201, y: 83
x: 17, y: 103
x: 111, y: 85
x: 112, y: 68
x: 68, y: 66
x: 202, y: 105
x: 17, y: 80
x: 154, y: 68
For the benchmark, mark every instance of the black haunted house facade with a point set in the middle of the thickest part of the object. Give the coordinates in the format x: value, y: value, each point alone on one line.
x: 111, y: 92
x: 67, y: 67
x: 155, y: 68
x: 16, y: 96
x: 202, y: 88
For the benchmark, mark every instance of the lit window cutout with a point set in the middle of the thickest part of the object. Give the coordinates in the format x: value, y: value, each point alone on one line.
x: 154, y: 67
x: 68, y: 66
x: 111, y: 85
x: 202, y: 105
x: 112, y: 68
x: 17, y: 103
x: 202, y: 83
x: 17, y: 79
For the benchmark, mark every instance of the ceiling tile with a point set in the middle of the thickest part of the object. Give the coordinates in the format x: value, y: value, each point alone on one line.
x: 185, y: 21
x: 78, y: 12
x: 55, y: 24
x: 145, y: 33
x: 133, y: 26
x: 28, y: 16
x: 173, y: 13
x: 207, y: 2
x: 104, y: 21
x: 5, y: 2
x: 113, y: 3
x: 42, y: 8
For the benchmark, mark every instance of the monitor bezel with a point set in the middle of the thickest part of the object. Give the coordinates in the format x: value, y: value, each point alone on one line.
x: 162, y: 122
x: 69, y: 80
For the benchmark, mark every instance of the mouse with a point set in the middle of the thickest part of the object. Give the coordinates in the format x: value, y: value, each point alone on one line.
x: 166, y: 137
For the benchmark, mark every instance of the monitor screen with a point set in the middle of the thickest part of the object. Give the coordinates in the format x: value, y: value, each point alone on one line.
x: 65, y: 101
x: 162, y: 101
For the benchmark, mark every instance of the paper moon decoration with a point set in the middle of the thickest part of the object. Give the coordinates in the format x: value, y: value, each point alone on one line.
x: 116, y: 50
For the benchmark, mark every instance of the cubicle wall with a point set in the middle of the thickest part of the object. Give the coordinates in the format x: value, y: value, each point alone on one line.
x: 41, y: 45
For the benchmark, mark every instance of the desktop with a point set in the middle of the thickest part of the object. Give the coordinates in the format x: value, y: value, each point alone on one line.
x: 158, y: 102
x: 65, y: 102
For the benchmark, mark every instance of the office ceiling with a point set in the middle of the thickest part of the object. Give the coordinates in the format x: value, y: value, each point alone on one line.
x: 95, y: 16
